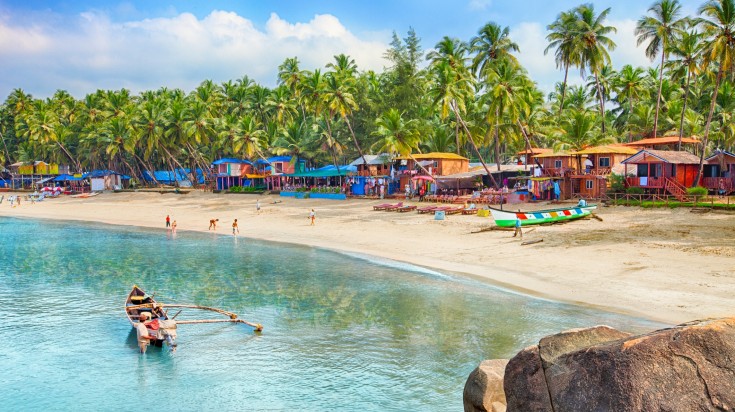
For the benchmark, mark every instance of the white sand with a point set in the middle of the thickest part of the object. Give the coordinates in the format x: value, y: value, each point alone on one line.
x: 666, y: 265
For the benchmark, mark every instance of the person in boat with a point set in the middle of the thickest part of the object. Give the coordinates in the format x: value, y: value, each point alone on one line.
x: 144, y: 337
x: 582, y: 203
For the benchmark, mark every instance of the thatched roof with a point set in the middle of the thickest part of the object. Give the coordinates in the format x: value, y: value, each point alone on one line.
x: 660, y: 141
x: 607, y: 149
x: 435, y: 155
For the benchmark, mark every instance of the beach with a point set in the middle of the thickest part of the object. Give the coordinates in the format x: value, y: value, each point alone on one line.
x: 668, y: 265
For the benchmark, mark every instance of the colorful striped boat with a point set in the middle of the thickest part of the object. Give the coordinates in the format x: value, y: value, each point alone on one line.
x: 507, y: 218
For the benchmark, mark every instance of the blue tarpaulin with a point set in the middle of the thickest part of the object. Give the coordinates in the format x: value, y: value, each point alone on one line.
x: 168, y: 177
x: 231, y: 160
x: 67, y: 178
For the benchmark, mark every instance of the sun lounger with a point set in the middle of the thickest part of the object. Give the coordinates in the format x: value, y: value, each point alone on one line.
x: 406, y: 209
x: 394, y: 207
x: 427, y: 209
x: 453, y: 210
x: 382, y: 207
x: 469, y: 211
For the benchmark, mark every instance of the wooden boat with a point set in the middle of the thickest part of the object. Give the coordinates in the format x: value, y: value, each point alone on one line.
x: 138, y: 301
x: 165, y: 328
x: 507, y: 218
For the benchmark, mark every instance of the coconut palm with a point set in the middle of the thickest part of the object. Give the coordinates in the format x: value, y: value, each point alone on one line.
x: 594, y: 46
x: 492, y: 44
x: 687, y: 47
x: 631, y: 84
x: 660, y: 30
x: 563, y: 37
x: 718, y: 28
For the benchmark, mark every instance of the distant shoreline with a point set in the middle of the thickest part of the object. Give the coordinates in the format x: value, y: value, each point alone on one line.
x: 665, y: 265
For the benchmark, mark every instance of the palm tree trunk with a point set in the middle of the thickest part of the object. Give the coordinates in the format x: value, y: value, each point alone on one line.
x: 602, y: 101
x: 71, y: 158
x: 357, y: 145
x: 563, y: 88
x: 684, y: 109
x: 7, y: 153
x: 630, y: 111
x: 497, y: 138
x: 331, y: 147
x: 472, y: 141
x: 707, y: 125
x: 528, y: 144
x: 658, y: 97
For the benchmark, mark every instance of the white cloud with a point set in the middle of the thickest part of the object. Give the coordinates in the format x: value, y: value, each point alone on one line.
x: 176, y: 52
x: 480, y: 4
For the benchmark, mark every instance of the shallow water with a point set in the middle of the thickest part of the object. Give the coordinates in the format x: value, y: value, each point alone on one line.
x: 342, y: 332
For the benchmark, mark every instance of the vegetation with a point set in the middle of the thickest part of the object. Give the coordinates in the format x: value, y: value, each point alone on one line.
x: 472, y: 98
x: 697, y: 191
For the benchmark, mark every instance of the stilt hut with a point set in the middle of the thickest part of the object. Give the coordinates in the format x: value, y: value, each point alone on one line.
x: 662, y: 171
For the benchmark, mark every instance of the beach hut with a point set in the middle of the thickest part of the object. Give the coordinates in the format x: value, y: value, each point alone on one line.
x: 374, y: 177
x: 592, y: 180
x: 662, y: 171
x: 276, y: 168
x: 719, y: 172
x: 105, y: 180
x: 436, y: 163
x: 527, y: 156
x: 230, y: 172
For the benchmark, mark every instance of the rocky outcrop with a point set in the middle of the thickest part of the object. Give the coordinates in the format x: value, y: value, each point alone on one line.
x: 690, y: 367
x: 483, y: 391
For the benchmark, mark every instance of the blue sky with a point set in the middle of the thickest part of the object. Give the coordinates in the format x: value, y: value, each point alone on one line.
x: 82, y: 46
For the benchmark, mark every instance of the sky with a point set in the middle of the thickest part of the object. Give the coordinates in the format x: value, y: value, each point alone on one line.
x: 81, y: 46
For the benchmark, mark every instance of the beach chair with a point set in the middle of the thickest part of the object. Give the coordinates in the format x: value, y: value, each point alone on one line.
x: 406, y: 208
x: 394, y: 207
x: 383, y: 206
x: 453, y: 210
x: 427, y: 209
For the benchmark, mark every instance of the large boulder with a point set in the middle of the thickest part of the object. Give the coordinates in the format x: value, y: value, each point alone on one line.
x: 689, y: 367
x: 483, y: 391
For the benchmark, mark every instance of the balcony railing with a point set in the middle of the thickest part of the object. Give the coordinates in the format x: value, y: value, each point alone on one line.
x: 650, y: 182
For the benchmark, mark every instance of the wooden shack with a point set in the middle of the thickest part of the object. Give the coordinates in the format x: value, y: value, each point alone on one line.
x: 719, y: 172
x: 662, y: 171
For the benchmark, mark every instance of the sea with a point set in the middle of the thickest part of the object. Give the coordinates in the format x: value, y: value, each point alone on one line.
x: 342, y: 332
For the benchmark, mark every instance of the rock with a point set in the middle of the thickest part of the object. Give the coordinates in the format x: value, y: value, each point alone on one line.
x: 525, y: 384
x: 483, y: 390
x: 689, y: 367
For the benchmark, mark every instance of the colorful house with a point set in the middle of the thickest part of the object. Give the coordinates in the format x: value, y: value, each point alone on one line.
x: 661, y: 171
x: 719, y: 172
x: 591, y: 178
x: 231, y: 172
x: 437, y: 164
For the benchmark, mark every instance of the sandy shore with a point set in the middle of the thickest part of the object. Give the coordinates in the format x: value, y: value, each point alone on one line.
x: 665, y: 265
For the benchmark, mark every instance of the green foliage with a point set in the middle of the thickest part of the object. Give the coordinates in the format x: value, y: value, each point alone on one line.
x: 617, y: 183
x: 697, y: 191
x: 245, y: 189
x: 634, y: 191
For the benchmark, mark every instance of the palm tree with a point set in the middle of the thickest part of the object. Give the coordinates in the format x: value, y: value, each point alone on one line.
x: 631, y: 84
x: 594, y: 46
x: 492, y: 44
x: 718, y: 28
x: 563, y: 37
x: 396, y: 135
x: 688, y: 48
x: 659, y: 31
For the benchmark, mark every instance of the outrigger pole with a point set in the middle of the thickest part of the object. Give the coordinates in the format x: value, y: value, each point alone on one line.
x: 232, y: 316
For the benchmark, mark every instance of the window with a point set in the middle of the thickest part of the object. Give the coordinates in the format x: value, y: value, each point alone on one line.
x: 604, y: 162
x: 588, y: 184
x: 557, y: 164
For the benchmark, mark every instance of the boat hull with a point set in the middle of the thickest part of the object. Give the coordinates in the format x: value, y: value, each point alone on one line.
x: 138, y: 297
x: 505, y: 218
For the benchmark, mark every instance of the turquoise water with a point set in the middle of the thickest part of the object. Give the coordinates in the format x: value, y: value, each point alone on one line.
x: 341, y: 332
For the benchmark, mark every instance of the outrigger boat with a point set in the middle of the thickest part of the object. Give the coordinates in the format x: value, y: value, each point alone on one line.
x: 163, y: 327
x: 506, y: 218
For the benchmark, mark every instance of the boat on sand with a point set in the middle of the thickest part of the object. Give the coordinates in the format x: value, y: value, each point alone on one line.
x: 507, y: 218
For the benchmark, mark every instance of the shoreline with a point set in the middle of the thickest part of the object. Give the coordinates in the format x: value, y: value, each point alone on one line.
x: 667, y: 265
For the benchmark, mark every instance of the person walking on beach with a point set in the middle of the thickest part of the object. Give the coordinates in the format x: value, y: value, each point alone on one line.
x: 312, y: 216
x: 518, y: 231
x: 213, y: 224
x: 257, y: 206
x: 235, y: 229
x: 168, y: 221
